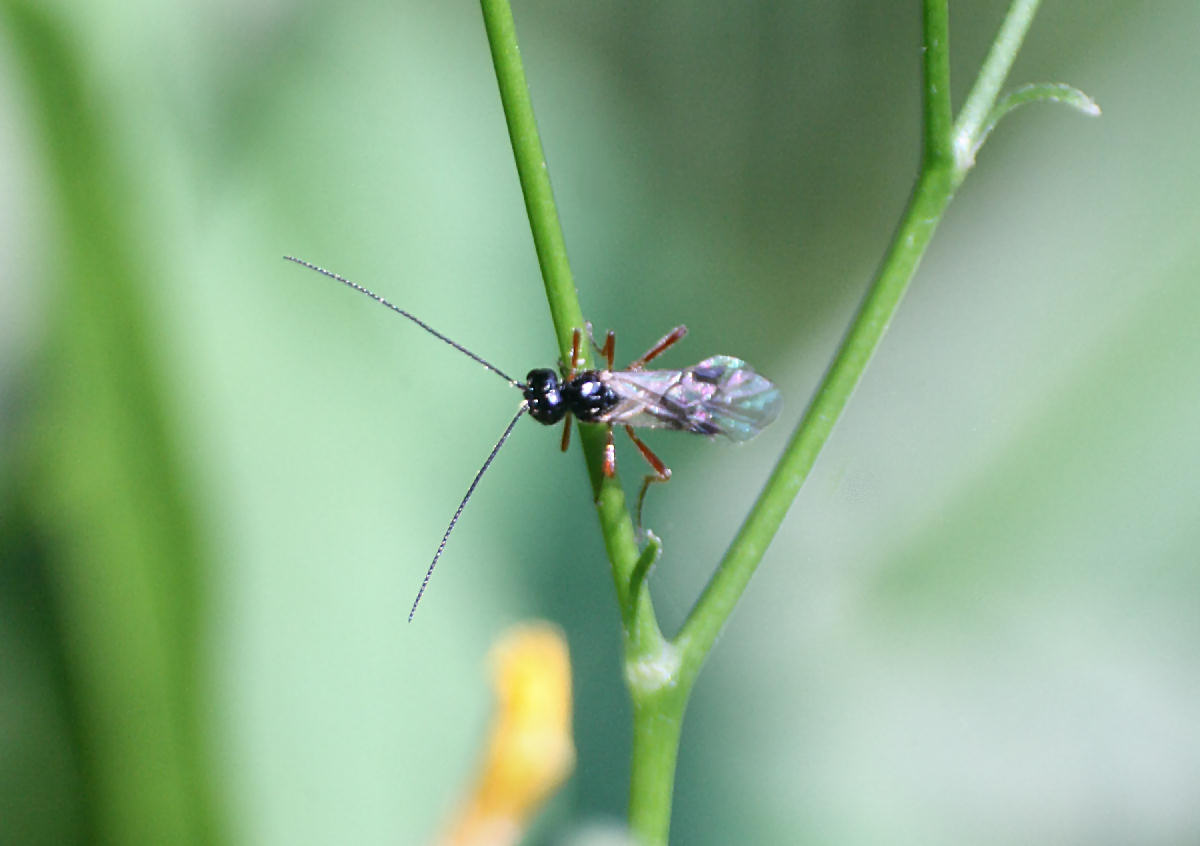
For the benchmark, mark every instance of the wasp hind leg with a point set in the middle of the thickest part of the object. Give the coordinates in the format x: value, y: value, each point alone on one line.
x: 662, y: 473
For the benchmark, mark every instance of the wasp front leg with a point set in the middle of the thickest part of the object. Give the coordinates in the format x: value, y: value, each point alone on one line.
x: 610, y: 344
x: 573, y: 365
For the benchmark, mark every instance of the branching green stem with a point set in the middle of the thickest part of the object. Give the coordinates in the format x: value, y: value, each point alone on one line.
x: 661, y: 672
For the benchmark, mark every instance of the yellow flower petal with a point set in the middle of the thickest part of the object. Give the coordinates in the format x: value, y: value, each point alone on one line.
x: 530, y: 751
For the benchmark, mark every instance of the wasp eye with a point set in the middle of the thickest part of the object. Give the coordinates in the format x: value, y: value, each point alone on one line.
x: 544, y: 396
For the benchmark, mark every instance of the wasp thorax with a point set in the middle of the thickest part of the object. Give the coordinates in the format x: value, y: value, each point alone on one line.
x: 544, y: 396
x: 588, y: 396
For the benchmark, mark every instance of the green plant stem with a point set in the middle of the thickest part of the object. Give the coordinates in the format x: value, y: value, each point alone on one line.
x: 641, y: 627
x: 657, y: 723
x: 533, y: 173
x: 937, y: 110
x: 656, y: 740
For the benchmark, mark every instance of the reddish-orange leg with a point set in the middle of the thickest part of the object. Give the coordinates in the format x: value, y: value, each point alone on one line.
x: 566, y: 439
x: 606, y: 351
x: 610, y: 456
x: 662, y: 473
x: 665, y: 343
x: 609, y: 348
x: 576, y: 340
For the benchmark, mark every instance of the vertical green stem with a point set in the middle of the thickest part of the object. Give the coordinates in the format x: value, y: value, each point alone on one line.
x: 657, y: 722
x: 655, y: 742
x: 935, y: 60
x: 534, y: 175
x: 641, y: 627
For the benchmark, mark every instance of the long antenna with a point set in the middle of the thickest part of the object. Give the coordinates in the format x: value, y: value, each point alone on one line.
x: 404, y: 313
x: 453, y: 520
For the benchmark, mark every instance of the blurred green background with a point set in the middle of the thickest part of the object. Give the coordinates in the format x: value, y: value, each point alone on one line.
x: 222, y: 476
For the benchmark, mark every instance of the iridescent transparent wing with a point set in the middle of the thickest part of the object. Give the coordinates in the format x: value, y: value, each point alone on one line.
x: 721, y: 395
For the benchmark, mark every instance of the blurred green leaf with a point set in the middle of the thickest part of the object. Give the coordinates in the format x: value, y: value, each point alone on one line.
x: 104, y: 483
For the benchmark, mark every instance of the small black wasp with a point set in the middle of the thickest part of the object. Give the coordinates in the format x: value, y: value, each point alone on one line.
x: 721, y: 395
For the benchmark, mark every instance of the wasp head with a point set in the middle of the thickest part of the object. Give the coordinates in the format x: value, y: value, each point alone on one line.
x: 543, y: 393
